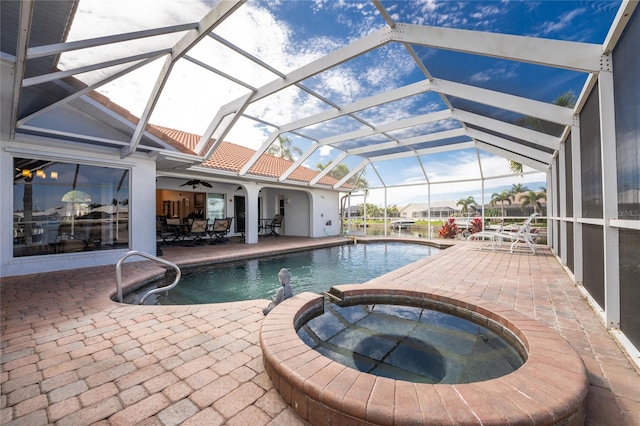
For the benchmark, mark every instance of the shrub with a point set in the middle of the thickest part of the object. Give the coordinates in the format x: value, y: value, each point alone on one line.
x: 449, y: 229
x: 475, y: 225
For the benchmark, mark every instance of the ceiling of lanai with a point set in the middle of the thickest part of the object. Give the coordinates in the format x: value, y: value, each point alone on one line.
x: 408, y: 91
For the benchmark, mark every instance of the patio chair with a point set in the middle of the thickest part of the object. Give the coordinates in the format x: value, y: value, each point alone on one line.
x: 229, y: 221
x: 72, y: 239
x: 181, y: 229
x: 275, y: 224
x: 220, y: 229
x: 163, y: 231
x: 198, y: 230
x: 524, y: 234
x: 493, y: 235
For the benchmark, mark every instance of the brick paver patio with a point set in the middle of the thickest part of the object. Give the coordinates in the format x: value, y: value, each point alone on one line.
x: 71, y: 356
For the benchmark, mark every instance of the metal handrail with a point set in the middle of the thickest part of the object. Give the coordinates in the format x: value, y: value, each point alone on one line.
x: 150, y: 292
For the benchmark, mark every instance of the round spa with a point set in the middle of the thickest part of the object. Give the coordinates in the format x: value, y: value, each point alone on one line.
x: 388, y: 356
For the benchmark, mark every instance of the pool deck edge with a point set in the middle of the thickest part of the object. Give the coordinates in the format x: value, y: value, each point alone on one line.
x: 70, y: 355
x: 556, y: 386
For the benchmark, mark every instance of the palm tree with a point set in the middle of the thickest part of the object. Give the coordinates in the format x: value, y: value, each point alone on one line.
x: 467, y: 203
x: 501, y: 198
x: 282, y: 147
x: 340, y: 171
x: 392, y: 210
x: 516, y: 189
x: 372, y: 210
x: 532, y: 198
x: 515, y: 167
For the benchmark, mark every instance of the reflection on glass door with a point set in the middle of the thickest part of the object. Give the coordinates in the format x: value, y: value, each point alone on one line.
x: 239, y: 212
x: 215, y: 206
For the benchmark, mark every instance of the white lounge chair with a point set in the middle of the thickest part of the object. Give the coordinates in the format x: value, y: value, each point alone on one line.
x: 489, y: 234
x: 523, y: 234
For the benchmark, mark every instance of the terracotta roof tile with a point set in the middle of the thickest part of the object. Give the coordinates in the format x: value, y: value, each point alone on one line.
x: 227, y: 156
x: 232, y: 157
x: 185, y: 142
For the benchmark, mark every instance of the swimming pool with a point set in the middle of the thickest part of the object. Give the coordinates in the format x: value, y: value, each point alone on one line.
x: 314, y: 270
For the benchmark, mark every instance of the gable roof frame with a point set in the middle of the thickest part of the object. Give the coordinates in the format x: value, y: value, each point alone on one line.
x: 569, y: 55
x: 576, y: 56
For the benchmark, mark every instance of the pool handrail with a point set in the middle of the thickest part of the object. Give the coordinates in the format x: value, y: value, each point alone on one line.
x: 150, y: 292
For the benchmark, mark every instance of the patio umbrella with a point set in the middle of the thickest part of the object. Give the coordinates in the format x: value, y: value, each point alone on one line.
x: 75, y: 197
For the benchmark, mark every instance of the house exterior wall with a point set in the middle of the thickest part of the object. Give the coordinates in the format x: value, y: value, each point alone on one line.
x: 142, y: 174
x: 325, y: 216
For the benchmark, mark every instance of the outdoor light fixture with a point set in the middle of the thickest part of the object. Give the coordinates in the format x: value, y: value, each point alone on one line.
x: 54, y: 175
x: 41, y: 174
x: 26, y: 173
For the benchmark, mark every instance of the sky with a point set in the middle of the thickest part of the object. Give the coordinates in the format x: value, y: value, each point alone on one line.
x: 287, y: 34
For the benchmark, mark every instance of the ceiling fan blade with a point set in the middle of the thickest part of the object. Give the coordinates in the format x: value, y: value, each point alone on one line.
x: 207, y: 184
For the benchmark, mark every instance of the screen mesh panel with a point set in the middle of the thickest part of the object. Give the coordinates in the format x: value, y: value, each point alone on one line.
x: 570, y: 247
x: 627, y: 91
x: 569, y: 176
x: 630, y: 285
x: 590, y: 157
x: 593, y: 260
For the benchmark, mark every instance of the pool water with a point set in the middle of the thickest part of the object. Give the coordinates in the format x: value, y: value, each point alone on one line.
x: 314, y: 270
x: 409, y: 343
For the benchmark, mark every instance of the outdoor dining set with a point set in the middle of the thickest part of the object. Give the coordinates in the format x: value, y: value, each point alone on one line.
x: 192, y: 231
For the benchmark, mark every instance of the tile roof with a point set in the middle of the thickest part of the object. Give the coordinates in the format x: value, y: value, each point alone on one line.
x: 232, y: 157
x: 228, y: 156
x: 156, y: 131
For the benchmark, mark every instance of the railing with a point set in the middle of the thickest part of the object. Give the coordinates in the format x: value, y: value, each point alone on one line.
x: 155, y: 290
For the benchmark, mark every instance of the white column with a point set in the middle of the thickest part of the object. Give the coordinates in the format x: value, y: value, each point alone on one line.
x: 609, y: 198
x: 429, y: 233
x: 482, y: 203
x: 562, y: 191
x: 385, y: 211
x: 251, y: 217
x: 576, y: 168
x: 551, y: 207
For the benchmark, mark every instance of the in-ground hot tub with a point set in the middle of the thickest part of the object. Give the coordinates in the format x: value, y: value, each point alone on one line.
x: 411, y: 343
x: 548, y: 388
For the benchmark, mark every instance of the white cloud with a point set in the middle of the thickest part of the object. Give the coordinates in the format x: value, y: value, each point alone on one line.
x: 192, y: 96
x: 325, y: 151
x: 564, y: 21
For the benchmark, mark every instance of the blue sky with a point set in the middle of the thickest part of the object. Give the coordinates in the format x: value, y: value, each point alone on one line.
x: 288, y: 34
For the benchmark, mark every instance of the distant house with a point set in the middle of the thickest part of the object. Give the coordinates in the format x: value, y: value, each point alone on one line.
x: 439, y: 209
x: 448, y: 208
x: 353, y: 211
x: 515, y: 208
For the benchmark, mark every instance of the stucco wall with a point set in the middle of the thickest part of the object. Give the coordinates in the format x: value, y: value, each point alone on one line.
x: 141, y: 208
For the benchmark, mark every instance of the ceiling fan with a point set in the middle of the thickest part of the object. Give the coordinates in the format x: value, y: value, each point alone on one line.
x: 196, y: 182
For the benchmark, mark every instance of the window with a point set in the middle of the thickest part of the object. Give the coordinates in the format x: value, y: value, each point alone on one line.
x: 215, y: 206
x: 64, y: 207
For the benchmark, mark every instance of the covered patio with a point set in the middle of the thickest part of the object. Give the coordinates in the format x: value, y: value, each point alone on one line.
x: 72, y: 356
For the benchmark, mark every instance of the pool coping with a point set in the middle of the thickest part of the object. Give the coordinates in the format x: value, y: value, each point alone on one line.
x: 550, y: 388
